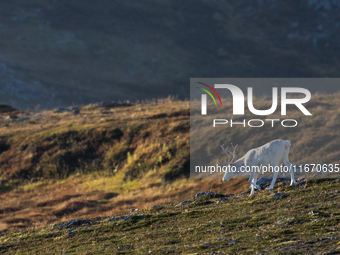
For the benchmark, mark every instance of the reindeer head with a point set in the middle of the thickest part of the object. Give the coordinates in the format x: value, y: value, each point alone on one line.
x: 227, y: 176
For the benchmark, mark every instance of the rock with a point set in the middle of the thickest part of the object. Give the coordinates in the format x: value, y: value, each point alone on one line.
x: 71, y: 108
x: 157, y: 206
x: 133, y: 210
x: 290, y: 220
x: 300, y: 184
x: 77, y: 222
x: 128, y: 218
x: 12, y: 117
x: 116, y: 219
x: 264, y: 180
x: 224, y: 199
x: 124, y: 247
x: 105, y: 103
x: 268, y: 179
x: 60, y: 110
x: 135, y: 217
x: 186, y: 202
x: 22, y: 119
x: 278, y: 195
x: 207, y: 193
x: 76, y: 111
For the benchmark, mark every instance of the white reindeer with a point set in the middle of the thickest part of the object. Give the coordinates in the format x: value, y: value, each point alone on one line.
x: 271, y: 153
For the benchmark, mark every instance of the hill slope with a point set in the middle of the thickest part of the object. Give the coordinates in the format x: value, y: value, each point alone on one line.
x: 239, y: 225
x: 108, y: 159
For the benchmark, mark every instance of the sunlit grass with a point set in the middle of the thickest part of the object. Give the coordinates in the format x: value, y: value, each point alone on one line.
x: 34, y: 185
x: 101, y: 164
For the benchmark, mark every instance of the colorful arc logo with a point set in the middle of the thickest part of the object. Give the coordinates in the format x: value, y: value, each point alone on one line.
x: 204, y: 97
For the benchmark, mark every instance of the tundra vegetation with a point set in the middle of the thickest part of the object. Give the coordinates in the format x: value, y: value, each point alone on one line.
x: 96, y: 165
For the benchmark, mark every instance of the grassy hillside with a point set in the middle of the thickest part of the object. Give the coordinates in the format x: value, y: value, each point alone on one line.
x: 109, y: 159
x: 105, y: 160
x: 260, y: 224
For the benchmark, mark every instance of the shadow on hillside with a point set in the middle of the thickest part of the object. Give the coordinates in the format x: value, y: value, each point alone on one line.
x: 5, y: 187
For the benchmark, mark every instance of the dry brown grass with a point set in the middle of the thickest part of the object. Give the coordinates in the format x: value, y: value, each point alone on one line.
x: 107, y: 160
x: 65, y: 201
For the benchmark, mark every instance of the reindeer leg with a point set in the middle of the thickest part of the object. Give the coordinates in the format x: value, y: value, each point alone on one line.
x: 255, y: 180
x: 274, y: 179
x: 252, y: 180
x: 291, y: 170
x: 252, y: 192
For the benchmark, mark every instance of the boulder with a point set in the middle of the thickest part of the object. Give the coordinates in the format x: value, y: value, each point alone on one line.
x: 75, y: 111
x: 186, y: 202
x: 207, y: 193
x: 276, y: 195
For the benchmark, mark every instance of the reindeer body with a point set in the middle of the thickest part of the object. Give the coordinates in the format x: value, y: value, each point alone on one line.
x: 272, y: 153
